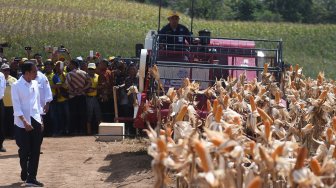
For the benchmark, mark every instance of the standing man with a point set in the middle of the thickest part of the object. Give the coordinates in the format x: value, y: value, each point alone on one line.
x: 93, y: 108
x: 78, y: 82
x: 48, y: 91
x: 28, y: 122
x: 174, y: 35
x: 61, y: 114
x: 106, y: 81
x: 45, y: 94
x: 2, y: 93
x: 7, y: 100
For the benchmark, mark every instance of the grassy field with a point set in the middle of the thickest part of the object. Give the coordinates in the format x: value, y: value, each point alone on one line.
x: 113, y: 27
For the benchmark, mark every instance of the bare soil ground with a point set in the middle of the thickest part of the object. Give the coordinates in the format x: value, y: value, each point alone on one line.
x: 83, y: 162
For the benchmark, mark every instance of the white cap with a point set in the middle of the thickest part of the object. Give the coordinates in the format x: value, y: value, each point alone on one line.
x: 79, y: 58
x: 91, y: 66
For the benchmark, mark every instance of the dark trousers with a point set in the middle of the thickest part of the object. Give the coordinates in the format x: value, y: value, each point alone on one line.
x: 2, y: 133
x: 9, y: 122
x: 47, y: 121
x: 127, y: 111
x: 29, y: 148
x: 77, y: 107
x: 60, y: 117
x: 107, y: 109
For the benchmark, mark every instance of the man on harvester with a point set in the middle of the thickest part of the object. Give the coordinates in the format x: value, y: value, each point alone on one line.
x: 174, y: 36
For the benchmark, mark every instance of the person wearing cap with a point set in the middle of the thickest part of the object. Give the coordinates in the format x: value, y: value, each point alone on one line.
x: 61, y: 114
x: 77, y: 82
x: 111, y: 59
x: 2, y: 93
x: 181, y: 33
x: 93, y: 108
x: 7, y: 100
x: 24, y: 59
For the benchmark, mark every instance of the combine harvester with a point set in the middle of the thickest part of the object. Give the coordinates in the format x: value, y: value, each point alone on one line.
x: 203, y: 60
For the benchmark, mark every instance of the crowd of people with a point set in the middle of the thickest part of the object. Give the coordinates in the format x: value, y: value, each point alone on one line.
x: 66, y: 96
x: 78, y: 93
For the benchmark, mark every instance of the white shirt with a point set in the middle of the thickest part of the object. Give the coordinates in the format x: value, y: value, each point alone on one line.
x: 2, y: 85
x: 44, y: 87
x: 26, y: 101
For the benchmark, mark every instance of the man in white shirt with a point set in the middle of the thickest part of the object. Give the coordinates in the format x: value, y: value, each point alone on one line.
x: 2, y: 93
x: 28, y: 122
x: 45, y: 98
x: 44, y: 87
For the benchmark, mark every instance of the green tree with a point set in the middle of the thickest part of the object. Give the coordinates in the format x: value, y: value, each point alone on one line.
x: 246, y: 9
x: 290, y: 10
x: 305, y: 11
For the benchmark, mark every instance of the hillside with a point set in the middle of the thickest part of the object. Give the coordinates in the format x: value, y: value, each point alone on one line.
x: 113, y: 27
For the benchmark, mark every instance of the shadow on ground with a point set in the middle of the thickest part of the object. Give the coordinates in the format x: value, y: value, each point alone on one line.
x: 9, y: 156
x: 125, y: 164
x: 19, y: 184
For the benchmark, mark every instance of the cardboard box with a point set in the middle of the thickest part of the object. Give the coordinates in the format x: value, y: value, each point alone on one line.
x: 107, y: 130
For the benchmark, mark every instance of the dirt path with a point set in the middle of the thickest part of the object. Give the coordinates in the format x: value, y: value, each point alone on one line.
x: 83, y: 162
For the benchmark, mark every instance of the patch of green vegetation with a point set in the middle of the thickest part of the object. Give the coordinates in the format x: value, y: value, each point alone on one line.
x: 114, y: 27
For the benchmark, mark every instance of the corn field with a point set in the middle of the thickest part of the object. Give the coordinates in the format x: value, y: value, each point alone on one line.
x: 113, y: 27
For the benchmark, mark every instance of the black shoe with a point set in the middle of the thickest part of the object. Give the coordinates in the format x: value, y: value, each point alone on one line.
x: 2, y: 149
x: 23, y: 175
x: 34, y: 183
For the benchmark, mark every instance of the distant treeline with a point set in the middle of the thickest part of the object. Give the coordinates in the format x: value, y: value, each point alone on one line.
x: 301, y: 11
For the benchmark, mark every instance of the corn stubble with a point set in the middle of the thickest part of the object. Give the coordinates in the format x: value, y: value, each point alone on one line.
x: 250, y: 138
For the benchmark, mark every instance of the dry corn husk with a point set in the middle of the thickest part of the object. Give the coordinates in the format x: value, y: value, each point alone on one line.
x: 252, y: 139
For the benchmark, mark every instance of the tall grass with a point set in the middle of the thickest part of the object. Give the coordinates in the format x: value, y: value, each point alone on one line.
x: 113, y: 27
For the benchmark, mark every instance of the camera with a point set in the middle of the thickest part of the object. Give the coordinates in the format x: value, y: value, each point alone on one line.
x: 28, y: 48
x: 61, y: 49
x: 4, y: 45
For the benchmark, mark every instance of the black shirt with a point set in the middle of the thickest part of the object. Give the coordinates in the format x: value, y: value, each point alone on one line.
x: 174, y: 42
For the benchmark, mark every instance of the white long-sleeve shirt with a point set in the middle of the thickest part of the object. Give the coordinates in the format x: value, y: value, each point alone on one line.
x: 26, y: 101
x: 44, y: 87
x: 2, y: 85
